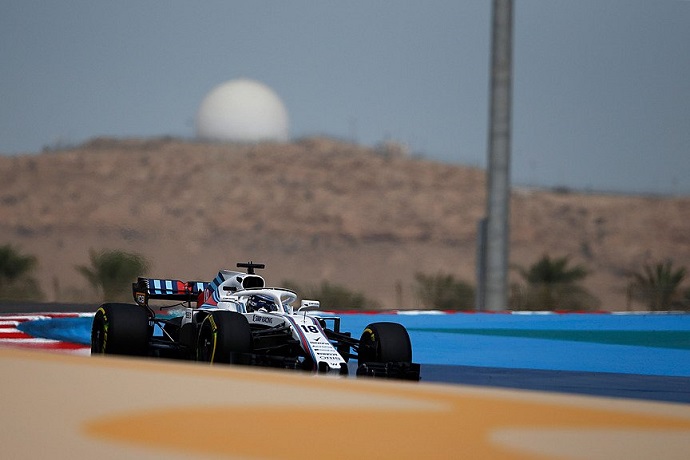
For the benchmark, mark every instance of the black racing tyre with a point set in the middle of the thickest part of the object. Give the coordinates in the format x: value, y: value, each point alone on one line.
x: 385, y: 343
x: 120, y: 329
x: 222, y: 335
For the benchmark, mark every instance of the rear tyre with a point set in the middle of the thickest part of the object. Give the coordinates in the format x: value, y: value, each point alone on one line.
x: 384, y: 343
x: 120, y: 329
x: 223, y: 336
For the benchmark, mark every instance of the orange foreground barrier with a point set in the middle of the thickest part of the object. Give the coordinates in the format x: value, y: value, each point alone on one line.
x: 64, y: 406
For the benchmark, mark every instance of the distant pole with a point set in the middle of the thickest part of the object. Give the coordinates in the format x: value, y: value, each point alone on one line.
x: 481, y: 266
x: 498, y: 185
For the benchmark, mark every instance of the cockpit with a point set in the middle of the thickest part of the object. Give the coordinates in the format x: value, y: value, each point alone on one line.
x: 261, y: 302
x: 266, y: 300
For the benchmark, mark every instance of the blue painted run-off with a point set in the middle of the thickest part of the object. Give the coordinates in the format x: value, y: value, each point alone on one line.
x: 626, y: 344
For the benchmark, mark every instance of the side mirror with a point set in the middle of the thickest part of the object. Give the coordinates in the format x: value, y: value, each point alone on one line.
x: 309, y: 305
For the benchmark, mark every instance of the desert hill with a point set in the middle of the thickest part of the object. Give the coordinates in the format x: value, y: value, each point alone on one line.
x: 311, y: 210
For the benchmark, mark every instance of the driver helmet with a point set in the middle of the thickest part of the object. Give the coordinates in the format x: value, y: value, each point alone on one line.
x: 260, y: 302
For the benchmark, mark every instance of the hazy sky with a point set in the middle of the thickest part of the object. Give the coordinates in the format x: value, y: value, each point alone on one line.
x: 601, y: 87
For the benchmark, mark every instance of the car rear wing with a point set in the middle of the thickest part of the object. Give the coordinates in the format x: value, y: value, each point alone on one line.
x: 146, y: 289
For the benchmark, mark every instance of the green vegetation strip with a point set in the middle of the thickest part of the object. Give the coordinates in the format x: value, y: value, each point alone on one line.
x: 660, y: 339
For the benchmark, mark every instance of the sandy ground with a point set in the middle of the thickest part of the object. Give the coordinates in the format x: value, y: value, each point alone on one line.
x: 62, y: 406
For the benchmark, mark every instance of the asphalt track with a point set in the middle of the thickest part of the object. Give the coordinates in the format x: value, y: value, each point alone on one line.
x: 64, y: 406
x: 641, y: 356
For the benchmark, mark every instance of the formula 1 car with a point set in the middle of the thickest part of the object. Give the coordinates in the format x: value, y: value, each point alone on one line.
x: 236, y: 319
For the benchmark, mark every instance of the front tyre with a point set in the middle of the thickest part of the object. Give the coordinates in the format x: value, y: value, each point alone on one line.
x: 384, y: 343
x: 120, y: 329
x: 223, y: 335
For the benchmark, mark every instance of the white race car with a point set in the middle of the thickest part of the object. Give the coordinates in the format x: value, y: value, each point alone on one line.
x: 237, y: 319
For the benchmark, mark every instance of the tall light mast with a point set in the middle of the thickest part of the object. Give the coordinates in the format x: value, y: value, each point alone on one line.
x: 496, y: 239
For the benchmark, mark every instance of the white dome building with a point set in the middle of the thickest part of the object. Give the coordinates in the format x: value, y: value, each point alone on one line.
x: 242, y: 110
